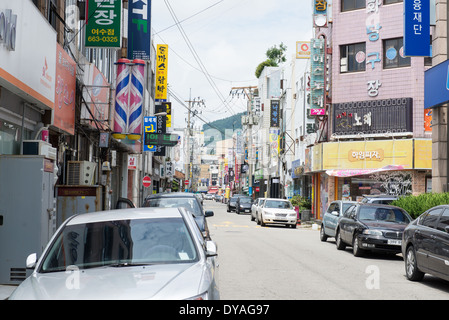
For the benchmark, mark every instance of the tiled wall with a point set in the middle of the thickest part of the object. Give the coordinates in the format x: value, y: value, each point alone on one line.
x: 349, y: 28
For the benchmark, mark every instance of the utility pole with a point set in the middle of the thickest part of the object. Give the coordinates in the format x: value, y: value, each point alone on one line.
x: 192, y: 104
x: 249, y: 92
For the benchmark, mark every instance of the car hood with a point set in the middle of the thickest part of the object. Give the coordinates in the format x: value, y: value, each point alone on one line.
x: 169, y: 281
x: 277, y: 210
x: 385, y: 225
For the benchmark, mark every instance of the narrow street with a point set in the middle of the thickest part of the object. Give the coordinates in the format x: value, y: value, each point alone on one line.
x: 277, y: 263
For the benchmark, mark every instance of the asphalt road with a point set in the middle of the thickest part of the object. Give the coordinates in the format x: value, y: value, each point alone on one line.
x: 271, y: 263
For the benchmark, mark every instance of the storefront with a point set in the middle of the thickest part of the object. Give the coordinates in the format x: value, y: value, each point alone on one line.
x: 352, y: 169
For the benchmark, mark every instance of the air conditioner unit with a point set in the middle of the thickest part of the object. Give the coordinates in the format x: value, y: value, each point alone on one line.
x: 39, y: 147
x: 81, y: 173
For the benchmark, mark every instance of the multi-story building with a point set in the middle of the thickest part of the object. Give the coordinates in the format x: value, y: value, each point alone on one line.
x: 376, y: 136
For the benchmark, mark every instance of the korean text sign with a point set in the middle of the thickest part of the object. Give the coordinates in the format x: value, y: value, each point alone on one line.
x: 417, y: 28
x: 103, y: 23
x: 161, y: 72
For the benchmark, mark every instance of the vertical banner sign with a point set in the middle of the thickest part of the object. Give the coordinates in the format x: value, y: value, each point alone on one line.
x: 320, y: 13
x: 317, y: 73
x: 161, y: 72
x: 139, y: 29
x: 103, y: 23
x: 274, y: 114
x: 121, y: 99
x: 417, y: 28
x: 136, y: 99
x: 161, y: 127
x: 149, y: 125
x: 168, y: 117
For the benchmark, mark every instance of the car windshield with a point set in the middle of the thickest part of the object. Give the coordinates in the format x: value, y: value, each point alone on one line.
x: 245, y: 200
x: 121, y: 243
x: 346, y: 206
x: 383, y: 214
x: 190, y: 204
x: 278, y: 204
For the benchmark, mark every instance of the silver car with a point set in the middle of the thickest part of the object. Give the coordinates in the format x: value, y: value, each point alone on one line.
x: 139, y: 253
x: 330, y: 219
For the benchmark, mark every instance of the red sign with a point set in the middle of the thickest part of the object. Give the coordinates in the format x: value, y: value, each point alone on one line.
x: 186, y: 182
x: 146, y: 181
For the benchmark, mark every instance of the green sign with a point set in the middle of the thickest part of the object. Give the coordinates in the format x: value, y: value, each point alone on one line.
x: 103, y: 23
x: 161, y: 139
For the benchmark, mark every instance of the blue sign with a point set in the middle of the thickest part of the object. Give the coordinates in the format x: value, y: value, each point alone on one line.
x: 436, y: 85
x: 139, y: 29
x: 149, y: 125
x: 417, y: 28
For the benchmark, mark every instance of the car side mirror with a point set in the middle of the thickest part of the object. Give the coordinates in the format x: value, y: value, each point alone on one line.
x: 446, y: 228
x: 208, y: 213
x: 211, y: 249
x: 335, y: 213
x: 31, y: 261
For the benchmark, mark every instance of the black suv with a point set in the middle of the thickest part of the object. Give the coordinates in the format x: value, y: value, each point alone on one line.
x: 182, y: 199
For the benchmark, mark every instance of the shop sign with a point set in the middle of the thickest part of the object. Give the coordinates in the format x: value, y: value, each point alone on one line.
x: 103, y: 23
x: 274, y: 113
x: 417, y: 28
x: 302, y: 49
x: 317, y: 74
x: 373, y: 117
x: 375, y: 155
x: 139, y: 29
x: 64, y: 115
x: 149, y: 125
x: 161, y: 72
x: 372, y: 154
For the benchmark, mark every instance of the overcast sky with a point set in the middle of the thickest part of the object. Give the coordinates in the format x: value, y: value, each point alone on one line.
x: 230, y: 37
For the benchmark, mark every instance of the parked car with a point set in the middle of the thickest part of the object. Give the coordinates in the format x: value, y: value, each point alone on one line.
x: 379, y: 198
x: 276, y: 211
x: 254, y: 207
x: 233, y: 201
x: 374, y: 227
x: 182, y: 199
x: 139, y: 253
x: 331, y: 216
x: 425, y: 245
x: 243, y: 204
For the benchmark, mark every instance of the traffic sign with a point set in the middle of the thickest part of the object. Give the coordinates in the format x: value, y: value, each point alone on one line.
x: 146, y: 181
x: 186, y: 182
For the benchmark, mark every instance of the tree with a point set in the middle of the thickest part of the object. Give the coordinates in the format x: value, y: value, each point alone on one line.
x: 275, y: 56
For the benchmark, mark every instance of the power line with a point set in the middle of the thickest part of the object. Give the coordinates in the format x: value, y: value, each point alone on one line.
x: 196, y: 57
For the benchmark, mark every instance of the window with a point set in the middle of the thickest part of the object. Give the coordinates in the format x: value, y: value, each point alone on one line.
x: 352, y: 57
x: 429, y: 219
x: 392, y: 1
x: 393, y: 54
x: 347, y: 5
x: 444, y: 221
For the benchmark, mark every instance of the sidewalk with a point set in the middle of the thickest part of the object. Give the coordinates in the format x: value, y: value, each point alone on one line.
x: 5, y: 291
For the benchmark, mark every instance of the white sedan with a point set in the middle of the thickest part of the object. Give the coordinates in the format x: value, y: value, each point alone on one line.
x: 139, y: 253
x: 276, y: 211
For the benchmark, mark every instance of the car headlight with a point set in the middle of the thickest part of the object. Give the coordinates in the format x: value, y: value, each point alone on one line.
x: 372, y: 232
x: 292, y: 214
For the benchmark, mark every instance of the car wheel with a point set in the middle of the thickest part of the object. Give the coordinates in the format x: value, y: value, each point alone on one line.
x: 293, y: 226
x: 229, y: 210
x: 411, y: 268
x: 252, y: 218
x: 355, y: 247
x: 323, y: 236
x: 339, y: 242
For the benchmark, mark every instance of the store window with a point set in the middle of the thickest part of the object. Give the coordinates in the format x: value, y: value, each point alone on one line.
x: 393, y: 54
x: 352, y: 57
x: 10, y: 137
x: 347, y: 5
